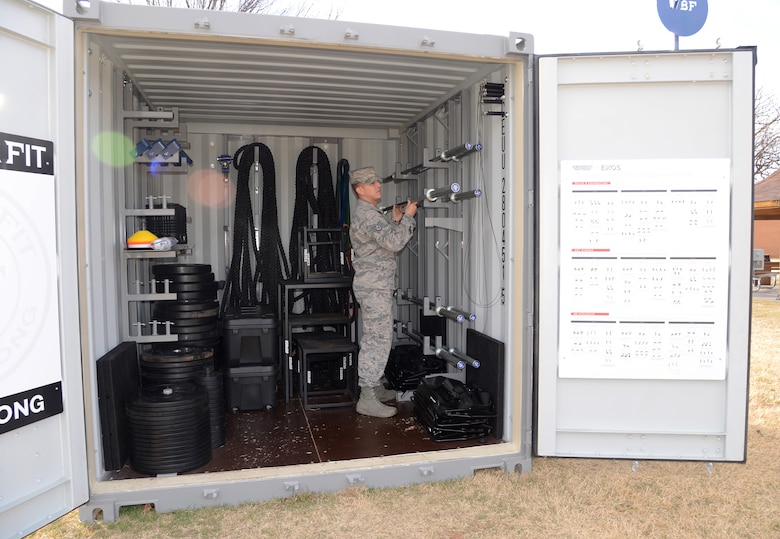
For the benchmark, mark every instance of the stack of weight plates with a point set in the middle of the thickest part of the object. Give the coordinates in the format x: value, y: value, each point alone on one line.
x: 214, y: 384
x: 171, y: 365
x: 168, y: 429
x: 188, y: 365
x: 193, y: 315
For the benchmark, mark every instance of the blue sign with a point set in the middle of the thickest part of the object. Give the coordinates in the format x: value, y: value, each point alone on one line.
x: 683, y: 17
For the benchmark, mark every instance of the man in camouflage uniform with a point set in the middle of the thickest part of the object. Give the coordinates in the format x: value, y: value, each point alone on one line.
x: 376, y: 238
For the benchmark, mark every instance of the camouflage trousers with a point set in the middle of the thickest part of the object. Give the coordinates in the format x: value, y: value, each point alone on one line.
x: 375, y: 330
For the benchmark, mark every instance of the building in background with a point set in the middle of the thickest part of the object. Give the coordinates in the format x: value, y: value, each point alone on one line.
x: 766, y: 220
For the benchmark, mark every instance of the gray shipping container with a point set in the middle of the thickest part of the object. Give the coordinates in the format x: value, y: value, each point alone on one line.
x: 608, y: 257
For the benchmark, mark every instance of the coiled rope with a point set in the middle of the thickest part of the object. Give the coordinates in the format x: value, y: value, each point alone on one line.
x: 241, y: 286
x: 324, y: 206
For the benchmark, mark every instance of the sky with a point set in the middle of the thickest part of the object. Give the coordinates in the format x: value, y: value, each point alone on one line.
x: 579, y: 26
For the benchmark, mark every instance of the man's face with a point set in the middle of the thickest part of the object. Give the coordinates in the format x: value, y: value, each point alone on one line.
x: 370, y: 192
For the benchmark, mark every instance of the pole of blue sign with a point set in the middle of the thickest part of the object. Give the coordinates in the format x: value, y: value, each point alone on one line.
x: 676, y: 42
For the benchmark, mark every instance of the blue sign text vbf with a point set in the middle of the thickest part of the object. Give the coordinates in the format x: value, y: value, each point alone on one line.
x: 683, y: 17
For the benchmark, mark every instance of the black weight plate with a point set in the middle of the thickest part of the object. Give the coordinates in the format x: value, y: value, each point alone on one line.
x: 211, y: 380
x: 171, y: 448
x: 156, y: 467
x: 181, y: 422
x: 184, y: 337
x: 192, y: 278
x: 157, y: 435
x: 191, y: 315
x: 177, y: 353
x: 168, y: 372
x: 185, y: 306
x: 194, y: 329
x: 169, y: 412
x: 218, y: 439
x: 194, y: 365
x: 165, y: 456
x: 199, y: 321
x: 148, y: 423
x: 161, y: 360
x: 174, y: 375
x: 160, y: 465
x: 192, y: 368
x: 174, y: 443
x: 170, y: 378
x: 157, y: 463
x: 169, y: 394
x: 213, y: 383
x: 187, y: 287
x: 179, y: 377
x: 180, y: 269
x: 194, y: 315
x: 161, y: 453
x: 158, y: 404
x: 147, y: 426
x: 205, y: 342
x: 197, y: 296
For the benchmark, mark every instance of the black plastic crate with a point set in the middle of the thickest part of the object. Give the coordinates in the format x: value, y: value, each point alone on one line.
x: 250, y: 336
x: 169, y: 226
x: 322, y: 254
x: 251, y: 387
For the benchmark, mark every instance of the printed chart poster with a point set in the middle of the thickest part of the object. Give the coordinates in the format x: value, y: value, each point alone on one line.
x: 644, y: 267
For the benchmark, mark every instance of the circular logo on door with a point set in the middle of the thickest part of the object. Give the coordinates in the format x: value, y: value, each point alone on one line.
x: 25, y: 284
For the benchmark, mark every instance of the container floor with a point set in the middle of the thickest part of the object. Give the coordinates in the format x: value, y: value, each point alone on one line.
x: 289, y: 435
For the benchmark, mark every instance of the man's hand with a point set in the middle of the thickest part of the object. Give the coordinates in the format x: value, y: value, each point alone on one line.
x: 411, y: 208
x: 397, y: 213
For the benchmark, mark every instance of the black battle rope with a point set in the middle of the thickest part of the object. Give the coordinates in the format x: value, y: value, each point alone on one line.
x: 271, y: 255
x: 342, y: 201
x: 324, y: 205
x: 241, y: 283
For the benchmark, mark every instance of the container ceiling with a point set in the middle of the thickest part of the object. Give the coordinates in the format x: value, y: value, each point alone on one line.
x: 262, y: 83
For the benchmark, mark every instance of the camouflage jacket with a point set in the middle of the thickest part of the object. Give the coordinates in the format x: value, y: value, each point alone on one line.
x: 375, y: 241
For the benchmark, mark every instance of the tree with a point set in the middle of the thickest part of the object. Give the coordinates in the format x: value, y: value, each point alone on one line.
x: 766, y: 157
x: 276, y: 7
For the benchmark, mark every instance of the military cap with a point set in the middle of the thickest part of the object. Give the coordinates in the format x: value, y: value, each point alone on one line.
x: 363, y: 175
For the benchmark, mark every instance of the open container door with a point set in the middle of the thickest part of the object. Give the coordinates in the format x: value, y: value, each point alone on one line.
x: 645, y: 192
x: 43, y: 473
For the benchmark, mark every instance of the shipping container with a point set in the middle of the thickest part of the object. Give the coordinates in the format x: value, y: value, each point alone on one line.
x: 584, y: 235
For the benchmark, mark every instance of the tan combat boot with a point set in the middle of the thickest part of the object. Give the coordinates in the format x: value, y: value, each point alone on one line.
x: 369, y: 405
x: 383, y: 394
